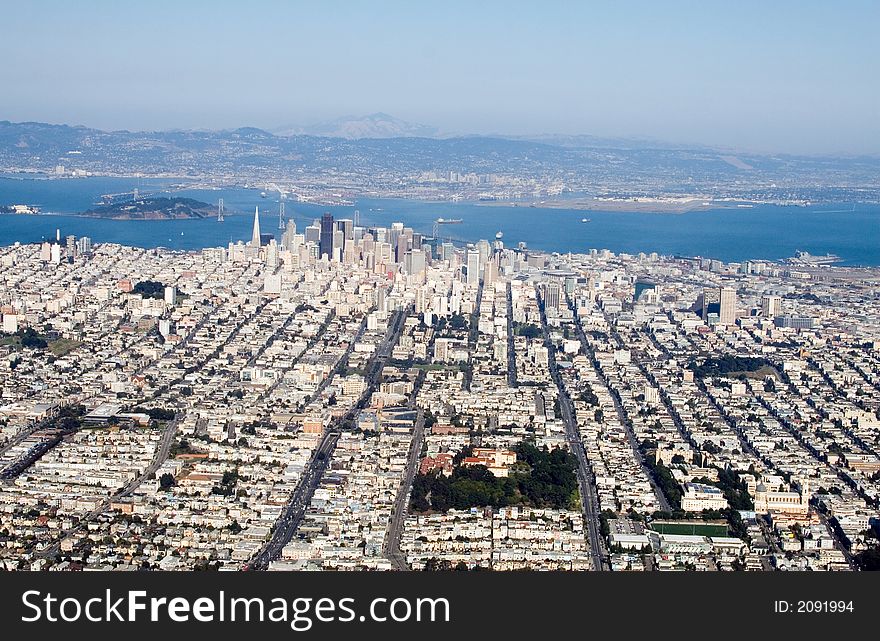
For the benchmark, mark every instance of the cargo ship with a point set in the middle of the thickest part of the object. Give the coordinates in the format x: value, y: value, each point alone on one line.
x: 449, y: 221
x: 808, y: 259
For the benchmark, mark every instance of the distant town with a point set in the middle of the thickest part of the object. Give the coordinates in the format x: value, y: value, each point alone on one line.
x: 387, y: 160
x: 348, y: 396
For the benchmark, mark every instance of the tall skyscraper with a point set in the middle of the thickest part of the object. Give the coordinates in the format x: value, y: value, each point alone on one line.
x: 552, y: 295
x: 71, y: 248
x: 727, y: 306
x: 346, y: 226
x: 313, y: 233
x: 473, y: 267
x: 255, y: 236
x: 84, y: 245
x: 771, y: 306
x: 326, y: 244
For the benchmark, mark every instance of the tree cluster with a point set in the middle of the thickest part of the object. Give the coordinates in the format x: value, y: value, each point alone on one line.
x: 541, y: 478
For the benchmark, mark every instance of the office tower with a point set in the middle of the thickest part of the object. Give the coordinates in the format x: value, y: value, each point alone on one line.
x: 485, y: 249
x: 346, y: 226
x: 552, y: 295
x: 473, y: 267
x: 447, y: 251
x: 708, y: 303
x: 338, y: 245
x: 771, y: 306
x: 326, y: 243
x: 727, y: 306
x: 414, y: 262
x: 70, y: 242
x: 313, y: 234
x: 255, y: 236
x: 383, y: 252
x: 272, y: 254
x: 401, y: 248
x: 490, y: 272
x: 288, y: 236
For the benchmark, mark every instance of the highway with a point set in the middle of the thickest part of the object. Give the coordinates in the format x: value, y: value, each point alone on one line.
x: 391, y: 549
x: 292, y: 516
x: 23, y: 434
x: 589, y: 500
x: 511, y: 344
x: 295, y: 510
x: 473, y: 335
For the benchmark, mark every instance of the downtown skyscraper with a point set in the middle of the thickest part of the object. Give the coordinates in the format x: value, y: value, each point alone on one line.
x: 325, y: 246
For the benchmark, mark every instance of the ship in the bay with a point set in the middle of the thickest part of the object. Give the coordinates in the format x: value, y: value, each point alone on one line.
x: 807, y: 259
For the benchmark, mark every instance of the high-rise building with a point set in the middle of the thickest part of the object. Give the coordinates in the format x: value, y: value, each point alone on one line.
x: 313, y: 233
x: 771, y: 306
x: 414, y: 262
x: 325, y: 247
x: 727, y: 306
x: 272, y: 254
x: 490, y: 271
x: 473, y: 267
x: 255, y: 236
x: 70, y: 242
x: 552, y: 295
x: 338, y: 244
x: 447, y: 251
x: 84, y: 245
x: 346, y: 226
x: 171, y: 295
x: 484, y: 248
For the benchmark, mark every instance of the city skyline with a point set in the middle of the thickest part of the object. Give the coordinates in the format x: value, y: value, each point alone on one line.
x: 784, y: 78
x: 467, y: 310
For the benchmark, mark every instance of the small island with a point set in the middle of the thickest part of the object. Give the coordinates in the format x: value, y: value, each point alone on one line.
x: 159, y: 208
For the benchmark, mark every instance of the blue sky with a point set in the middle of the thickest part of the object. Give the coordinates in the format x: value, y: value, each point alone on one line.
x: 769, y: 76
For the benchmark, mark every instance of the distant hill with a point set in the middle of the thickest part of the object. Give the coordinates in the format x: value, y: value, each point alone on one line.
x: 355, y: 152
x: 377, y: 125
x: 154, y: 209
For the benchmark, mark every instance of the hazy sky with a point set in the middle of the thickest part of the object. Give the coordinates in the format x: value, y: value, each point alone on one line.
x: 769, y: 75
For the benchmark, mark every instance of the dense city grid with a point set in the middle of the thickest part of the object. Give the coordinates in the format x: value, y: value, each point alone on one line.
x: 367, y: 398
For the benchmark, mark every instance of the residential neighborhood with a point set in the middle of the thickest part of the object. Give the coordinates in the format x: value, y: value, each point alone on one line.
x: 368, y: 398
